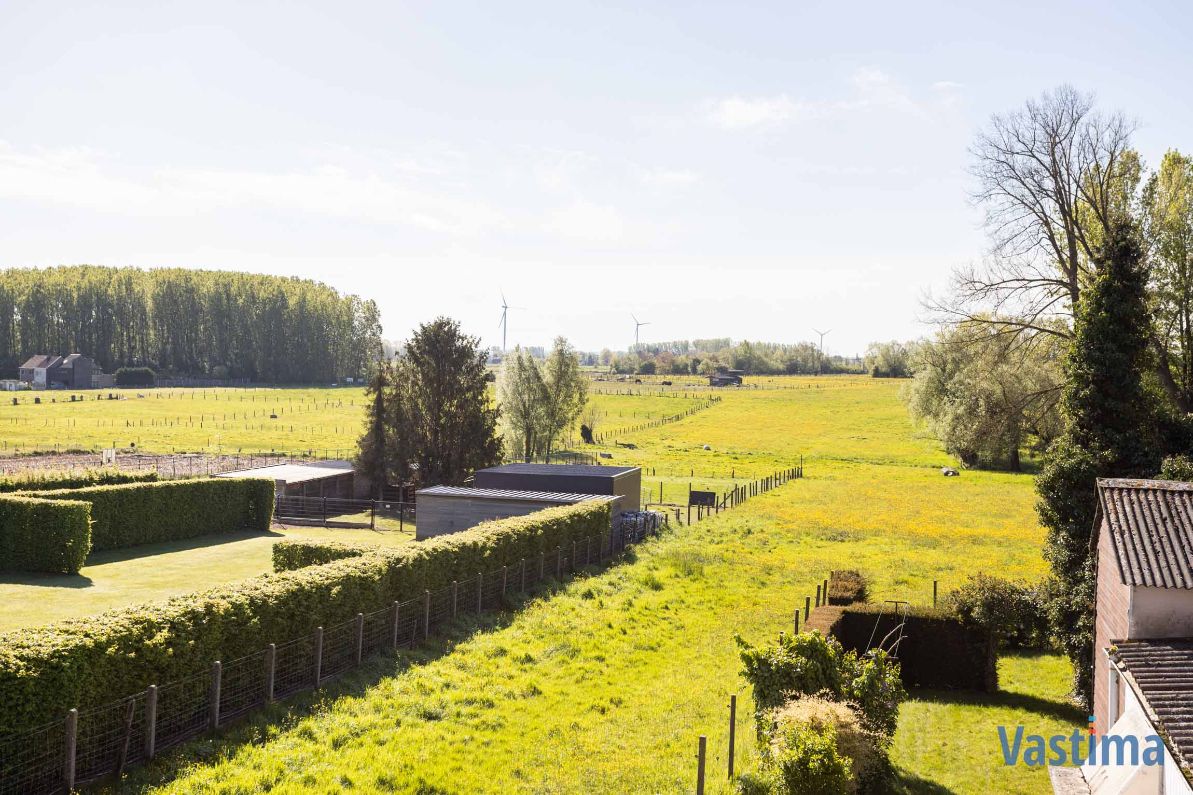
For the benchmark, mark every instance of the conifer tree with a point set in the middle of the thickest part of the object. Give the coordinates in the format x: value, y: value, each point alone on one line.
x: 1111, y: 421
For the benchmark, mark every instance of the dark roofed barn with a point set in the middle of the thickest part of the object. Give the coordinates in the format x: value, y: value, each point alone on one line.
x: 619, y: 481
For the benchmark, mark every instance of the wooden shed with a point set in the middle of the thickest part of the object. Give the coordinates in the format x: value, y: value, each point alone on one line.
x: 450, y: 509
x: 615, y: 481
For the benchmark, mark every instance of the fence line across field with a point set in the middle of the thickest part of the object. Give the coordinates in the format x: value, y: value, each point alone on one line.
x: 88, y: 745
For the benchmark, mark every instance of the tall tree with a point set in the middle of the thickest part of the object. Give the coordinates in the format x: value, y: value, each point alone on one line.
x: 1168, y: 221
x: 1110, y: 430
x: 1050, y: 177
x: 444, y: 424
x: 566, y: 391
x: 523, y: 398
x: 374, y: 457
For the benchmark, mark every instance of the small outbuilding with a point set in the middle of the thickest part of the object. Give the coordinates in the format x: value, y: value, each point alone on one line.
x: 612, y: 481
x: 450, y: 509
x: 307, y: 479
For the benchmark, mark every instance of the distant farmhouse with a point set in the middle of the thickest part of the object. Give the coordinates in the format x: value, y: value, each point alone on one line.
x: 75, y: 371
x: 726, y: 378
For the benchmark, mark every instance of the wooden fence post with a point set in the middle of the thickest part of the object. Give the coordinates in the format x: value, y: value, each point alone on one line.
x: 807, y: 608
x: 934, y: 593
x: 700, y: 753
x: 818, y: 594
x: 455, y: 597
x: 360, y: 636
x: 505, y: 578
x: 522, y: 589
x: 426, y: 614
x: 394, y: 635
x: 150, y: 721
x: 480, y: 580
x: 795, y: 629
x: 72, y: 739
x: 217, y: 675
x: 271, y: 662
x: 318, y: 654
x: 129, y: 713
x: 732, y: 730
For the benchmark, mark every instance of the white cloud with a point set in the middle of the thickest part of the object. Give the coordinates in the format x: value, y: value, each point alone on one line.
x: 871, y: 88
x: 947, y: 85
x: 740, y: 113
x: 669, y: 178
x: 81, y: 178
x: 587, y: 222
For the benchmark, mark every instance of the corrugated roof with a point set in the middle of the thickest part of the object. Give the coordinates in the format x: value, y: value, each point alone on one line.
x: 1151, y: 526
x: 1163, y: 675
x: 294, y: 473
x: 562, y: 469
x: 471, y: 492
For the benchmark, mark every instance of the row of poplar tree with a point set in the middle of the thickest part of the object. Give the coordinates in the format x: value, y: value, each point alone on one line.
x: 217, y: 324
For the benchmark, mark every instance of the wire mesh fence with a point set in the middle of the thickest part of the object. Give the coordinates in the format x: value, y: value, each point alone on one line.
x: 108, y: 739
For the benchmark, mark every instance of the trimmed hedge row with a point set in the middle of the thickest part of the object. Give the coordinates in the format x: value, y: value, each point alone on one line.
x: 47, y: 481
x: 937, y: 650
x: 292, y: 554
x: 44, y: 535
x: 87, y: 662
x: 125, y: 515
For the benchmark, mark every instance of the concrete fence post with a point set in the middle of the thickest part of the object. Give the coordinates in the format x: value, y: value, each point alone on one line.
x: 71, y: 743
x: 426, y: 614
x: 318, y: 654
x: 480, y: 584
x: 271, y: 659
x: 393, y: 641
x: 217, y: 676
x: 360, y: 636
x: 150, y: 721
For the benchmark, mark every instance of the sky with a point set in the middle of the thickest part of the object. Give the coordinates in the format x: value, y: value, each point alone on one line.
x: 749, y: 170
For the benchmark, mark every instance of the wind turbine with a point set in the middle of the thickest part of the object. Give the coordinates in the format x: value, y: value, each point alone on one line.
x: 820, y: 359
x: 637, y: 325
x: 505, y: 310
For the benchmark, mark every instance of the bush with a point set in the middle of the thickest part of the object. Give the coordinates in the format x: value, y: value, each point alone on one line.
x: 125, y: 515
x: 1176, y: 467
x: 847, y: 587
x: 292, y: 554
x: 135, y: 376
x: 811, y: 664
x: 45, y: 671
x: 937, y: 649
x: 820, y: 746
x: 1014, y: 612
x: 44, y: 535
x: 48, y: 481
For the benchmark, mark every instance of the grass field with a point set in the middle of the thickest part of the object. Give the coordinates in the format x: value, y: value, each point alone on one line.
x: 604, y: 686
x: 150, y: 572
x: 327, y: 421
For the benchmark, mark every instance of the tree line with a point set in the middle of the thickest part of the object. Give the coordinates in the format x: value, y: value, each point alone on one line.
x: 218, y: 324
x: 705, y: 357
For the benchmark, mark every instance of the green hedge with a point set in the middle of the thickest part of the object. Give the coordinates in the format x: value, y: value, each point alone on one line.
x: 43, y: 535
x: 298, y: 553
x: 86, y: 662
x: 125, y: 515
x: 48, y: 481
x: 938, y: 649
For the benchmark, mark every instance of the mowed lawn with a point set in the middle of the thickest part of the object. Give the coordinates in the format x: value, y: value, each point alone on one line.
x: 605, y: 685
x: 151, y: 572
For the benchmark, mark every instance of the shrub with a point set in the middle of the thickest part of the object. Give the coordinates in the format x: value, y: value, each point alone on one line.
x: 820, y: 746
x: 135, y: 376
x: 812, y: 664
x: 295, y: 553
x: 48, y: 481
x: 847, y: 587
x: 125, y: 515
x: 1014, y: 612
x: 44, y: 671
x: 1176, y: 467
x: 43, y: 535
x: 937, y: 648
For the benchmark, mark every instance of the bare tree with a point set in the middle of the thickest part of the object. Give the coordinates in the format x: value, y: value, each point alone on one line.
x: 1051, y: 175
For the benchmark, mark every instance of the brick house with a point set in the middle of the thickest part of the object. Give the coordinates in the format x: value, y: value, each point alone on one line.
x: 43, y: 371
x: 1143, y: 628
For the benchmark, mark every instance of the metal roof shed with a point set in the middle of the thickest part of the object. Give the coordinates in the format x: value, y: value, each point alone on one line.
x: 450, y: 509
x: 311, y: 479
x: 618, y: 481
